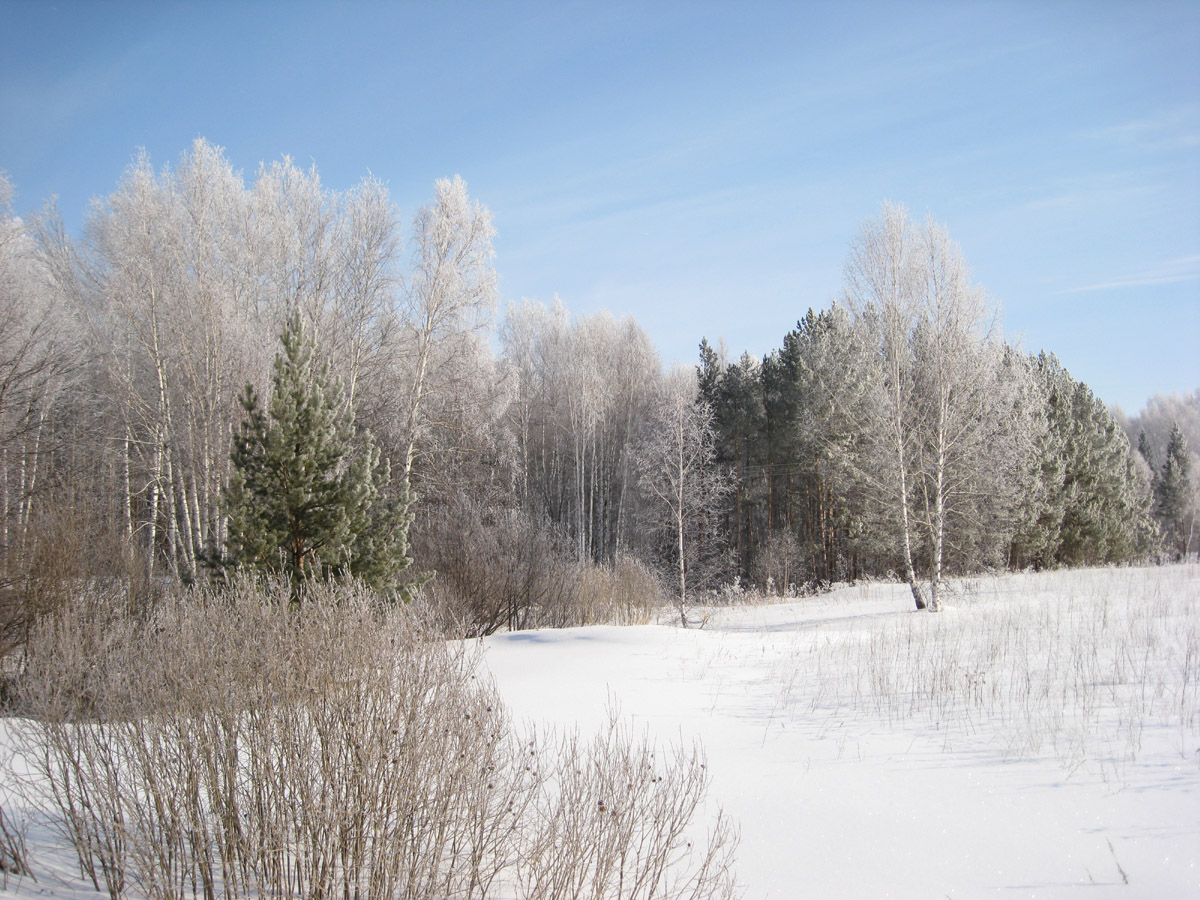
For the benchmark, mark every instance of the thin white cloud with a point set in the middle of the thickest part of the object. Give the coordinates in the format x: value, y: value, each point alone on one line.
x: 1174, y: 271
x: 1171, y: 129
x: 1108, y: 187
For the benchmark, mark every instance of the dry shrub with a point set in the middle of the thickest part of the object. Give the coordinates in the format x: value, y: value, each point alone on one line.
x: 65, y: 543
x: 617, y: 824
x: 496, y: 568
x: 238, y: 745
x: 627, y: 593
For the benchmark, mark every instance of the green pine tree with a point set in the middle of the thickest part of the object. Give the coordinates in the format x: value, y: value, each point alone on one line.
x: 1095, y: 507
x: 303, y: 501
x: 1147, y: 451
x: 1173, y: 500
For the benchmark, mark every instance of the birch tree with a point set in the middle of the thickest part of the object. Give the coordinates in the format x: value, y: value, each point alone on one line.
x: 30, y: 364
x: 196, y: 273
x: 335, y: 257
x: 36, y: 362
x: 680, y: 479
x: 582, y: 388
x: 177, y: 327
x: 882, y: 278
x: 950, y: 418
x: 451, y: 293
x: 962, y: 423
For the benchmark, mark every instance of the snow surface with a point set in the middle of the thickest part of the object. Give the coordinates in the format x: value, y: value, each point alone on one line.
x: 1039, y: 739
x: 838, y: 801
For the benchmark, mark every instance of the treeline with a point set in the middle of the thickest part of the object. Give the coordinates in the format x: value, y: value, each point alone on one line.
x: 806, y: 508
x: 558, y: 471
x: 896, y: 431
x: 1167, y: 436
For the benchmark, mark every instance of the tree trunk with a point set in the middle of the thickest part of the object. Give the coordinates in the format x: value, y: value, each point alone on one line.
x: 152, y: 518
x: 909, y: 573
x: 939, y: 524
x: 679, y: 530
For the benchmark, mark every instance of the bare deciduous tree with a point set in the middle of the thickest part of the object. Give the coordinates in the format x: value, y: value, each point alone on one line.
x: 38, y: 359
x: 678, y: 474
x: 882, y: 280
x: 582, y: 390
x: 451, y: 292
x: 956, y: 379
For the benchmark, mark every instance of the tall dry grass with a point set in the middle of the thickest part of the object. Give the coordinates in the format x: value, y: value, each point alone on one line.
x: 1078, y: 664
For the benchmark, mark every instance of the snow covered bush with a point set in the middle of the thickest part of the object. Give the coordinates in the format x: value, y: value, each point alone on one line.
x: 495, y: 569
x: 502, y: 569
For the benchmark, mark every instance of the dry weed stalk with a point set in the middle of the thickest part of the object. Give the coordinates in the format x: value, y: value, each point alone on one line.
x: 616, y: 824
x: 1047, y: 661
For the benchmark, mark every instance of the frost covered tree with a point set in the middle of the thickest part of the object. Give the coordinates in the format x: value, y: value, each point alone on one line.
x: 945, y: 429
x: 882, y: 276
x: 194, y: 272
x: 1154, y: 428
x: 966, y: 425
x: 450, y: 297
x: 1090, y: 501
x: 38, y: 369
x: 302, y: 500
x: 33, y: 365
x: 678, y: 475
x: 1151, y: 428
x: 582, y: 388
x: 1174, y: 502
x: 818, y: 391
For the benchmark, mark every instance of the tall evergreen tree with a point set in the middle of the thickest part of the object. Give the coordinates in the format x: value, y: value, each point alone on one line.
x: 824, y: 397
x: 302, y: 500
x: 1147, y: 451
x: 1174, y: 505
x: 1093, y: 502
x: 740, y: 425
x: 1039, y: 517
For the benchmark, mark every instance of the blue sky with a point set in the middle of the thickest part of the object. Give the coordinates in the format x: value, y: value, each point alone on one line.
x: 702, y: 166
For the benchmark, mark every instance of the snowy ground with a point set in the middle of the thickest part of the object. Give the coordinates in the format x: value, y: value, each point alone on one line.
x: 1041, y: 738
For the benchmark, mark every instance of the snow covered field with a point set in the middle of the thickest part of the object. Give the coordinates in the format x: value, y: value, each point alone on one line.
x: 1041, y: 738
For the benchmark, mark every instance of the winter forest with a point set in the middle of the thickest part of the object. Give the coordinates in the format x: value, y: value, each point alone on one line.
x: 544, y: 460
x: 272, y: 455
